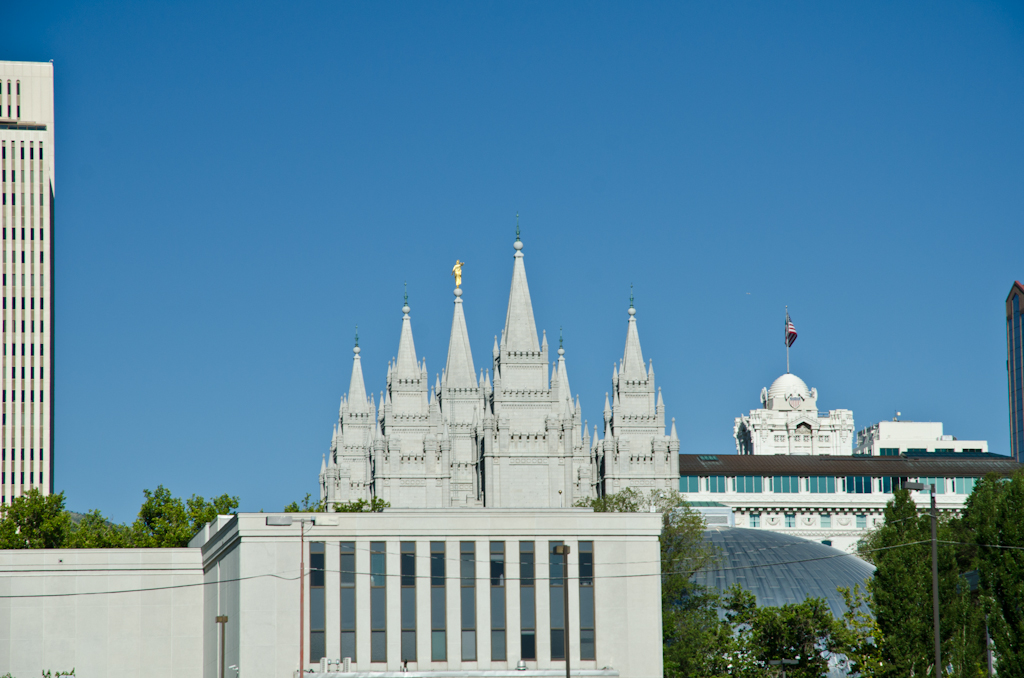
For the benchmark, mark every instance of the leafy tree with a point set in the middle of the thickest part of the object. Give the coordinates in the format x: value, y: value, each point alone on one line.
x: 167, y: 521
x: 994, y: 515
x: 34, y: 521
x: 308, y: 506
x: 859, y: 634
x: 93, y: 531
x: 375, y: 505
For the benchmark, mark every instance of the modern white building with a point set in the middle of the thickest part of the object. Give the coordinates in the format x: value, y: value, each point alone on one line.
x: 892, y: 438
x: 789, y: 423
x: 26, y: 217
x: 449, y: 592
x: 517, y: 441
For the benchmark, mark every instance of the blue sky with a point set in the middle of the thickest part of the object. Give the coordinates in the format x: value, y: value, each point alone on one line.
x: 239, y: 185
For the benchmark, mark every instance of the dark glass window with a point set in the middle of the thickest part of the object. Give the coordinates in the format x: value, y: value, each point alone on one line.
x: 467, y: 599
x: 748, y: 484
x: 438, y: 613
x: 498, y: 601
x: 527, y: 602
x: 858, y: 484
x: 347, y: 566
x: 556, y: 580
x: 378, y: 602
x: 689, y: 484
x: 317, y: 602
x: 588, y: 647
x: 716, y: 484
x: 785, y: 484
x: 408, y: 593
x: 822, y: 484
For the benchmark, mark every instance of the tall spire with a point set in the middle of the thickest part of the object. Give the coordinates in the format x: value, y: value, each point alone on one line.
x: 356, y: 387
x: 520, y: 329
x: 406, y: 366
x: 459, y: 371
x: 632, y: 358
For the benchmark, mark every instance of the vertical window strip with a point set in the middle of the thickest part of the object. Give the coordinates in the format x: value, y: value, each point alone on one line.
x: 588, y: 645
x: 317, y: 602
x: 467, y: 599
x: 527, y: 602
x: 497, y: 587
x: 438, y: 613
x: 378, y: 602
x: 347, y: 565
x: 556, y: 581
x: 408, y: 600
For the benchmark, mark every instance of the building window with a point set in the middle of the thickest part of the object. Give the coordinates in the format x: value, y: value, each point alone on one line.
x: 945, y: 450
x: 862, y: 521
x: 716, y: 484
x: 916, y: 450
x: 467, y: 599
x: 689, y: 484
x: 498, y: 601
x: 378, y: 602
x: 588, y: 646
x: 407, y: 562
x: 755, y: 520
x: 348, y: 599
x: 826, y: 542
x: 438, y: 651
x: 555, y: 584
x: 527, y: 602
x: 786, y: 484
x: 826, y: 521
x: 748, y: 484
x: 790, y: 520
x: 964, y: 485
x: 858, y: 484
x: 317, y: 602
x: 822, y: 484
x: 939, y: 483
x: 890, y: 483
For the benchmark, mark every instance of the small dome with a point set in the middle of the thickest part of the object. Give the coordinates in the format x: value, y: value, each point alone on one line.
x: 787, y: 385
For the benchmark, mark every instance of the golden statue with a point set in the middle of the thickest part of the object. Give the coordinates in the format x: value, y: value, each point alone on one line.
x: 457, y: 272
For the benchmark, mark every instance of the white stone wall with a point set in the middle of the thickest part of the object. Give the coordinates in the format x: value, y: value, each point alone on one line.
x: 911, y: 435
x: 627, y: 586
x: 103, y: 612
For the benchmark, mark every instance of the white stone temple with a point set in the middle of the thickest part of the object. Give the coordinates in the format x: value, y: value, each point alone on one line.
x: 517, y: 441
x: 789, y: 423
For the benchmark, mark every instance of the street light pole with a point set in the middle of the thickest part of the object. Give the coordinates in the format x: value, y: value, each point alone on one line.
x: 935, y: 571
x: 222, y: 619
x: 281, y: 521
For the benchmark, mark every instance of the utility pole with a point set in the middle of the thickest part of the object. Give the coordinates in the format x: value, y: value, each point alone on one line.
x: 222, y: 619
x: 935, y: 571
x: 563, y: 550
x: 281, y: 521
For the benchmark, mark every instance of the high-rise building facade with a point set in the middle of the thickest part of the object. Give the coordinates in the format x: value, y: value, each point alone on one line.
x: 26, y: 217
x: 1015, y: 367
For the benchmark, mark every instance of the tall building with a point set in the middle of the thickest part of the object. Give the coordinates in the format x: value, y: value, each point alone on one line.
x: 512, y: 442
x: 789, y: 423
x: 26, y: 217
x: 1015, y: 367
x: 892, y: 438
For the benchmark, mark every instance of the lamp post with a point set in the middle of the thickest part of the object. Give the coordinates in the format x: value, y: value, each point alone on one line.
x: 935, y: 572
x: 563, y: 550
x: 282, y: 521
x: 222, y: 619
x: 783, y: 663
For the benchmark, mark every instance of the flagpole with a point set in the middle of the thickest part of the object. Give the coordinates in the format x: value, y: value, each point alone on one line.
x: 786, y: 338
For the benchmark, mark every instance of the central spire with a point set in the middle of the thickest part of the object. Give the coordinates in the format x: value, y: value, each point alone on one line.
x: 356, y: 387
x: 520, y: 329
x: 632, y: 358
x: 459, y: 372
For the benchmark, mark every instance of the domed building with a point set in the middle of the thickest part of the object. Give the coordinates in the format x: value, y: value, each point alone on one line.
x: 781, y: 569
x: 789, y: 423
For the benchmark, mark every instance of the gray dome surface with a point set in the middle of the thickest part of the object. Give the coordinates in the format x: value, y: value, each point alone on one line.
x: 780, y: 569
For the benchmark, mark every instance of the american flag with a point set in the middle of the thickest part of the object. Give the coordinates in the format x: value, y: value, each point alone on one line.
x: 790, y: 331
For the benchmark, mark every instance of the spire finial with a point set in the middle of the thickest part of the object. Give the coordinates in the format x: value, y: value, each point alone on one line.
x: 559, y: 336
x: 355, y: 349
x: 406, y: 283
x: 517, y: 226
x: 631, y: 295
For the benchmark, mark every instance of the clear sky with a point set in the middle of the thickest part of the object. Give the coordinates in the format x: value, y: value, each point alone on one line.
x: 239, y: 185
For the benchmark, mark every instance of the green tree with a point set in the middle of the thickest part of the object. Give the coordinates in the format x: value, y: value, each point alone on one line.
x: 167, y: 521
x: 93, y: 531
x: 307, y: 506
x: 34, y: 521
x: 375, y: 505
x: 994, y: 515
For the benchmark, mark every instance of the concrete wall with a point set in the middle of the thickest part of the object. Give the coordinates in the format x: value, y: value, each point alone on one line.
x: 102, y: 612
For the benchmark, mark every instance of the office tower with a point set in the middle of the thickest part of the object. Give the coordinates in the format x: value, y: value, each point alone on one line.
x: 1015, y: 367
x: 26, y: 217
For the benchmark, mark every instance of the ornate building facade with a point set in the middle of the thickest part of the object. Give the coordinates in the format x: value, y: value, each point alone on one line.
x: 517, y: 440
x: 789, y: 423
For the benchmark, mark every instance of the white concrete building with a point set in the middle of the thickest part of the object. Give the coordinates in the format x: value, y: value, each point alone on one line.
x: 435, y: 592
x: 892, y: 438
x: 26, y: 217
x: 789, y: 423
x: 518, y: 441
x: 829, y: 498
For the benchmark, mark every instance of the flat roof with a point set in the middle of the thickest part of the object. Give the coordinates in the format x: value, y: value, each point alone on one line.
x: 944, y: 466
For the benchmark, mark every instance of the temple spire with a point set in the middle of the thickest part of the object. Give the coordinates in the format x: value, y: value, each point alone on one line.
x: 356, y: 387
x: 406, y: 366
x: 520, y: 329
x: 632, y: 358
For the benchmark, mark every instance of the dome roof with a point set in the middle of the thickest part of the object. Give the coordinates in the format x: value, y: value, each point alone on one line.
x: 780, y: 569
x: 788, y: 384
